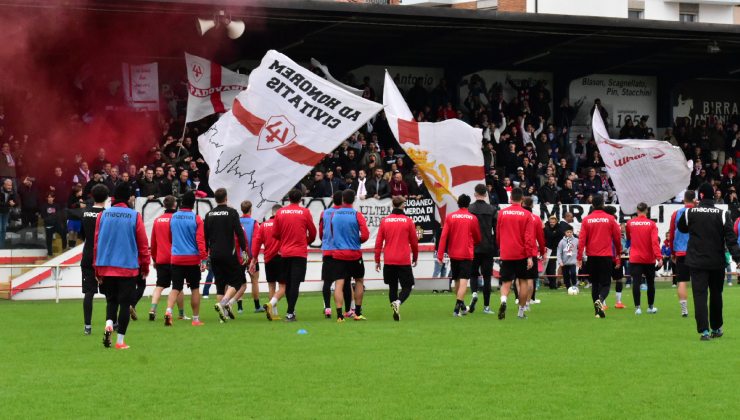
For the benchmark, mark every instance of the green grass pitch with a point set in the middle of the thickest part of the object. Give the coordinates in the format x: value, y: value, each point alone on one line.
x: 560, y: 363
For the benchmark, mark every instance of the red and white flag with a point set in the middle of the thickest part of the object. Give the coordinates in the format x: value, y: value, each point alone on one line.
x: 649, y: 171
x: 448, y: 153
x: 211, y: 87
x: 284, y: 124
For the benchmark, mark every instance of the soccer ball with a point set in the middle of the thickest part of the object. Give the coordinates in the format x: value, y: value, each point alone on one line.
x: 573, y: 290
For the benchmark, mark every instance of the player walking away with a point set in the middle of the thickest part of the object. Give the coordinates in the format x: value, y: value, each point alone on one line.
x: 400, y: 246
x: 294, y: 229
x: 710, y: 230
x: 188, y: 257
x: 349, y: 230
x: 678, y: 242
x: 514, y: 229
x: 485, y: 250
x: 460, y: 235
x: 327, y: 263
x: 599, y: 241
x: 566, y: 257
x: 87, y: 234
x: 617, y: 270
x: 161, y: 250
x: 273, y: 269
x: 540, y: 248
x: 225, y: 241
x: 121, y: 252
x: 645, y: 256
x: 251, y: 229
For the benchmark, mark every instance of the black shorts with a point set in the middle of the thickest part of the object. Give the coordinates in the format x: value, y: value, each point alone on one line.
x: 513, y: 269
x: 227, y: 272
x: 164, y: 275
x: 273, y: 270
x: 327, y: 268
x: 460, y: 269
x: 89, y: 282
x: 398, y: 273
x: 185, y: 273
x: 294, y: 269
x: 682, y: 273
x: 348, y: 269
x: 532, y: 273
x: 618, y: 273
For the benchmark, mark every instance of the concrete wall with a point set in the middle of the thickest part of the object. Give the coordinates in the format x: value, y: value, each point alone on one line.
x: 712, y: 13
x: 604, y: 8
x: 661, y: 10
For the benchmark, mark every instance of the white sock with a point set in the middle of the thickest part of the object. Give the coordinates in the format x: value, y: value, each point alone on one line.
x: 109, y: 323
x: 88, y: 326
x: 503, y: 299
x: 224, y: 302
x: 119, y: 339
x: 169, y: 311
x: 475, y: 294
x: 273, y: 301
x: 521, y: 311
x: 274, y: 310
x: 232, y: 301
x: 398, y: 302
x: 196, y: 317
x: 619, y: 297
x: 352, y: 305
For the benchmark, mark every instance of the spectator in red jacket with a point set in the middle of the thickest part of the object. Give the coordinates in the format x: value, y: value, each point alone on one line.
x: 600, y: 240
x: 398, y: 186
x: 460, y: 235
x: 644, y: 256
x: 400, y: 246
x: 514, y: 229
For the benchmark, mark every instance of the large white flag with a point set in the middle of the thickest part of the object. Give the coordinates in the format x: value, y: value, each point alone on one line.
x: 211, y: 87
x: 649, y: 171
x: 286, y: 121
x: 141, y: 86
x: 448, y: 153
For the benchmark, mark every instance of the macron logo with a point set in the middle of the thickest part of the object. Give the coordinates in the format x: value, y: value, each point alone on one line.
x: 267, y: 224
x: 396, y: 220
x: 462, y: 216
x: 598, y: 220
x: 514, y: 213
x: 640, y: 223
x: 219, y: 213
x: 292, y: 211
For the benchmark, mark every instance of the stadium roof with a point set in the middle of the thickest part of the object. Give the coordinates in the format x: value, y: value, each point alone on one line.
x: 349, y: 35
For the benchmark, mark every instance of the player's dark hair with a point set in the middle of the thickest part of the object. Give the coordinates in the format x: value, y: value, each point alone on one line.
x: 463, y: 201
x: 295, y: 196
x: 188, y: 200
x: 642, y: 207
x: 348, y: 196
x: 597, y: 201
x: 276, y: 207
x: 220, y: 195
x: 170, y: 202
x: 122, y: 192
x: 100, y: 193
x: 481, y: 189
x: 527, y: 202
x: 610, y: 210
x: 516, y: 195
x: 689, y: 195
x: 246, y: 206
x: 398, y: 202
x: 337, y: 198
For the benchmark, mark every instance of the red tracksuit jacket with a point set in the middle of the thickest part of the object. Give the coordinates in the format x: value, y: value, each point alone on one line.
x: 265, y: 237
x: 161, y: 241
x: 672, y: 233
x: 460, y: 235
x: 644, y: 242
x: 599, y: 231
x: 514, y: 233
x: 294, y: 229
x: 539, y: 236
x: 398, y: 233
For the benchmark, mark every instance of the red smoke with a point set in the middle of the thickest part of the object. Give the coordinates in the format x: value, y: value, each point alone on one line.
x: 49, y: 52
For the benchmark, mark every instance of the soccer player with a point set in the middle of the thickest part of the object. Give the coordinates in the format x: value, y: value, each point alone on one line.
x: 349, y: 230
x: 251, y: 230
x: 188, y: 257
x: 540, y: 249
x: 294, y: 229
x: 678, y: 242
x: 710, y: 231
x: 121, y: 253
x: 273, y: 269
x: 600, y: 241
x: 486, y: 248
x: 87, y: 234
x: 399, y: 244
x: 460, y: 235
x: 618, y: 270
x: 161, y: 250
x: 226, y: 245
x: 514, y: 229
x: 645, y: 255
x: 327, y: 247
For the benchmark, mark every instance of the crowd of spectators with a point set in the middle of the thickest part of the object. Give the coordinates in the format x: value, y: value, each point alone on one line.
x: 524, y: 144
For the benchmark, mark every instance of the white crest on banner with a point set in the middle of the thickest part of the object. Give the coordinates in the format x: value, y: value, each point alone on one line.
x: 649, y: 171
x: 278, y: 129
x: 141, y: 86
x: 211, y: 87
x: 448, y: 153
